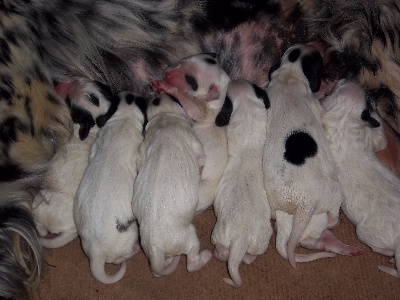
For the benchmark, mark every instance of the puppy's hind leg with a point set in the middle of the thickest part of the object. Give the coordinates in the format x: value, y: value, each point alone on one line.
x: 196, y: 258
x: 160, y: 265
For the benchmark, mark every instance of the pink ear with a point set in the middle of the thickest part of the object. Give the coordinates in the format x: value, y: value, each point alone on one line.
x: 213, y: 93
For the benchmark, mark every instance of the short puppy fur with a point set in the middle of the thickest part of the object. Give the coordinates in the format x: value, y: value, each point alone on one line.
x: 103, y: 205
x: 243, y: 227
x: 166, y: 189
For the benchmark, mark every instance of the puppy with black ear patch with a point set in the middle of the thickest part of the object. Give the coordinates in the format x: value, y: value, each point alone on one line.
x: 166, y: 189
x: 371, y: 191
x: 103, y: 204
x: 243, y: 227
x: 53, y: 205
x: 202, y: 78
x: 299, y: 171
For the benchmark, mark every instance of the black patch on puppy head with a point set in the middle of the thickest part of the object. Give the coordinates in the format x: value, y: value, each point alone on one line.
x: 129, y: 99
x: 192, y: 82
x: 84, y: 119
x: 105, y: 90
x: 92, y: 98
x: 211, y: 60
x: 102, y: 119
x: 312, y: 65
x: 273, y: 68
x: 156, y: 101
x: 122, y: 227
x: 299, y: 146
x: 262, y: 94
x: 294, y: 55
x: 224, y: 115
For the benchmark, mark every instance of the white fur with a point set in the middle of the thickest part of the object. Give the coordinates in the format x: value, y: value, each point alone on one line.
x: 104, y: 197
x: 212, y: 84
x: 300, y: 190
x: 371, y: 191
x: 243, y: 227
x: 166, y: 189
x: 53, y: 205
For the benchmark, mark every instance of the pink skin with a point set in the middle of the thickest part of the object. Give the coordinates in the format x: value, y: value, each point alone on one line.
x: 328, y: 242
x: 196, y: 109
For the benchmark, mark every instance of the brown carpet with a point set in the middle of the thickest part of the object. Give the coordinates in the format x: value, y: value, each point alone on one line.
x: 66, y: 275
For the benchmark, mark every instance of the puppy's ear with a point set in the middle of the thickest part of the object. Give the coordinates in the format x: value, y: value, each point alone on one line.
x: 213, y: 93
x: 312, y: 65
x: 84, y: 119
x: 273, y: 68
x: 224, y: 115
x: 369, y: 120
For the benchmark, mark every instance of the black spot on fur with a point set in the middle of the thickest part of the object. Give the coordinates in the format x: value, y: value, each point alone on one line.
x: 92, y: 98
x: 10, y: 172
x: 192, y: 82
x: 105, y: 90
x: 262, y: 94
x: 312, y: 65
x: 129, y: 99
x: 102, y: 119
x: 156, y: 101
x: 84, y: 119
x: 9, y: 130
x: 371, y: 121
x: 299, y: 146
x: 122, y: 227
x: 224, y: 115
x: 294, y: 55
x: 5, y: 52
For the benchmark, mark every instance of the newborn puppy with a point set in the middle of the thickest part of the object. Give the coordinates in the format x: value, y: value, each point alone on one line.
x: 300, y: 175
x: 103, y: 205
x: 166, y: 189
x: 201, y: 77
x: 371, y: 191
x: 53, y: 205
x: 243, y: 227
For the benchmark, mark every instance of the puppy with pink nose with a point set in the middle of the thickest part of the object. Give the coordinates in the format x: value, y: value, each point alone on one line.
x: 203, y: 80
x: 88, y: 101
x: 103, y: 204
x: 166, y: 189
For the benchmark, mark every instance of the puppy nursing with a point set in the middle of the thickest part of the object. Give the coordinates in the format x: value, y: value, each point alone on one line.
x: 166, y: 189
x: 53, y: 205
x: 200, y: 77
x: 243, y: 227
x: 103, y: 205
x: 371, y: 192
x: 300, y: 173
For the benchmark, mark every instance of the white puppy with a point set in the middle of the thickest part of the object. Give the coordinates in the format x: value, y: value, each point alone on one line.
x: 243, y: 227
x: 166, y: 189
x: 103, y: 205
x: 202, y: 78
x: 53, y: 205
x: 371, y: 191
x: 300, y: 176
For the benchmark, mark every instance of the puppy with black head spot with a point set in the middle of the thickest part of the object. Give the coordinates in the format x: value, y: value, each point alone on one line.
x: 103, y: 204
x: 371, y: 191
x: 166, y: 189
x: 202, y: 79
x: 53, y: 205
x: 299, y: 170
x: 243, y: 227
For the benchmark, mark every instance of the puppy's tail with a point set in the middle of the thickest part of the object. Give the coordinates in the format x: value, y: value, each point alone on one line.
x: 97, y: 268
x: 161, y: 266
x: 237, y: 251
x: 20, y: 252
x: 301, y: 219
x: 60, y: 240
